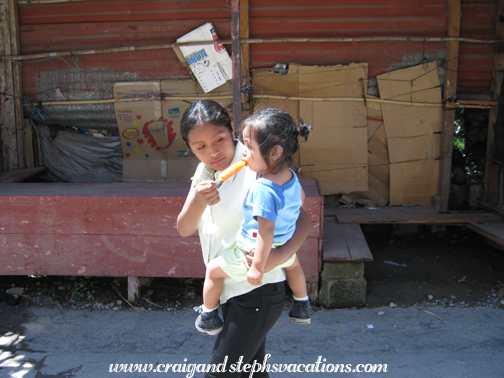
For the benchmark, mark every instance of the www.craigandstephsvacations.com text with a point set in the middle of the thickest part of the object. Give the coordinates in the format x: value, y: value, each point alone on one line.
x: 189, y: 369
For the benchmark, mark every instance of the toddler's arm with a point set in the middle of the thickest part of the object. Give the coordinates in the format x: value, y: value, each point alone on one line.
x: 262, y: 250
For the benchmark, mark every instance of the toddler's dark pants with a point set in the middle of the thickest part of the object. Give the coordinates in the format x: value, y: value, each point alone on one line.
x: 247, y: 320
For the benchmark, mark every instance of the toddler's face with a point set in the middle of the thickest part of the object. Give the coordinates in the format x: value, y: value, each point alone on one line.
x: 213, y: 145
x: 251, y: 153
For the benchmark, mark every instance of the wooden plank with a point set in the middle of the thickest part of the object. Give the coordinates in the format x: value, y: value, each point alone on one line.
x: 112, y: 229
x: 359, y: 250
x: 449, y: 95
x: 334, y: 245
x: 8, y: 131
x: 416, y: 214
x: 117, y: 255
x: 493, y: 172
x: 98, y: 189
x: 492, y: 231
x: 106, y: 209
x: 100, y: 255
x: 344, y: 242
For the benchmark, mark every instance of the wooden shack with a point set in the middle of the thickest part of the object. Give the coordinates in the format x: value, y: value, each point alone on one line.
x: 380, y: 82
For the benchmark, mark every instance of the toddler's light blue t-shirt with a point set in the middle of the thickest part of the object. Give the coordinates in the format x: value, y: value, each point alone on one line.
x: 277, y: 203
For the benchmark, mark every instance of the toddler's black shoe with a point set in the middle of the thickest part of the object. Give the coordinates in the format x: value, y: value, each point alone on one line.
x: 208, y: 322
x: 300, y: 312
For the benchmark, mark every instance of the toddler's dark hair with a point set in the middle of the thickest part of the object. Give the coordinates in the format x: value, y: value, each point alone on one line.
x: 201, y: 112
x: 273, y: 127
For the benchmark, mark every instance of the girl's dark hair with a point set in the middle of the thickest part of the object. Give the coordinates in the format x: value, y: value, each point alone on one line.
x: 272, y: 127
x: 201, y: 112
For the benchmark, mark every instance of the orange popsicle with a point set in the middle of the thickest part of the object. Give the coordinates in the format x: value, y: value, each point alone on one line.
x: 231, y: 171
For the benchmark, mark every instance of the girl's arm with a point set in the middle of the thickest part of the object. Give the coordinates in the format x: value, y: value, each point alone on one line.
x: 262, y: 251
x: 200, y: 196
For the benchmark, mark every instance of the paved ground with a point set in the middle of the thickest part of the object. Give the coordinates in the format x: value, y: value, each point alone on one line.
x: 447, y: 342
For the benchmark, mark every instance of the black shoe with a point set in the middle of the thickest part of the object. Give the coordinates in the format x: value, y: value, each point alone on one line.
x: 300, y: 312
x: 209, y: 322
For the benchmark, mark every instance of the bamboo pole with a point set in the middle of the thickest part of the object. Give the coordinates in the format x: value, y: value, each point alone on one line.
x: 228, y: 97
x: 459, y: 104
x: 249, y: 41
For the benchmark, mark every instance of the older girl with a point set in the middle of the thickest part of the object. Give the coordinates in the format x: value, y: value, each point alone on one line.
x: 249, y: 312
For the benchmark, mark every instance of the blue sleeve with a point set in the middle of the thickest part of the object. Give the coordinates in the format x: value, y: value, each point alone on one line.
x: 265, y: 202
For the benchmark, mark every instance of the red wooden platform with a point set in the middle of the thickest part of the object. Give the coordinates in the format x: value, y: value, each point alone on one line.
x: 114, y: 229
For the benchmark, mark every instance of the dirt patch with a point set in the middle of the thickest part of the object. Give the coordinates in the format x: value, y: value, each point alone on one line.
x: 416, y: 265
x: 102, y: 293
x: 453, y: 267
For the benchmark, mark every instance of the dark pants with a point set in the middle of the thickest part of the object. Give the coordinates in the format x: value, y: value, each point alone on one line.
x: 247, y: 320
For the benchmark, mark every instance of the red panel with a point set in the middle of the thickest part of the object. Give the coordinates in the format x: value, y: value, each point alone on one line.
x: 116, y: 255
x: 381, y: 56
x: 122, y: 10
x: 102, y: 24
x: 100, y: 255
x: 113, y: 229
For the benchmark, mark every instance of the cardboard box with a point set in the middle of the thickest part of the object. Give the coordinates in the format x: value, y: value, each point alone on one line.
x: 339, y: 133
x: 408, y: 80
x: 338, y: 178
x: 336, y: 151
x: 333, y: 81
x: 271, y: 83
x: 414, y: 183
x: 423, y: 147
x: 150, y: 131
x: 210, y: 64
x: 413, y: 133
x: 144, y: 134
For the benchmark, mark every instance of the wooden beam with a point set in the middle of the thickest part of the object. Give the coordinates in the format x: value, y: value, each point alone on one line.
x: 245, y: 34
x: 493, y: 172
x: 18, y: 89
x: 11, y: 111
x: 235, y: 43
x: 449, y: 95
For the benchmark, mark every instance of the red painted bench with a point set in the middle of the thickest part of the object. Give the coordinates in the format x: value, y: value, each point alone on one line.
x: 115, y: 229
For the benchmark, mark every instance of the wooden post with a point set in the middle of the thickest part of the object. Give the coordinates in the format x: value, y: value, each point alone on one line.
x: 493, y: 172
x: 11, y: 111
x: 235, y: 43
x: 449, y: 95
x: 244, y: 34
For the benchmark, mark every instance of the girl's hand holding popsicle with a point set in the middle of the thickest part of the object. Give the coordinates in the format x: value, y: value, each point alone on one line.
x: 206, y: 192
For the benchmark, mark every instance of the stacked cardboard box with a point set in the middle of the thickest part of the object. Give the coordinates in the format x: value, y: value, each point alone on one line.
x: 378, y: 159
x: 153, y: 149
x: 386, y: 152
x: 413, y: 133
x: 336, y: 152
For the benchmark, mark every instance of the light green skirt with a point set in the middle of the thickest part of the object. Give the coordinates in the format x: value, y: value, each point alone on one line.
x: 233, y: 260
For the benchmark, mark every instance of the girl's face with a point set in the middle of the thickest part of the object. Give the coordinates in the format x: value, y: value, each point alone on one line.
x: 251, y: 153
x: 213, y: 145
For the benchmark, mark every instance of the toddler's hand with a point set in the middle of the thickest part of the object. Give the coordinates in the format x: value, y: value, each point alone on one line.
x: 207, y: 193
x: 249, y: 259
x: 254, y: 276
